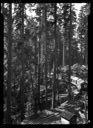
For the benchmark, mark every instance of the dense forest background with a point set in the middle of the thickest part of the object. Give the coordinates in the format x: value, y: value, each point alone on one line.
x: 39, y: 54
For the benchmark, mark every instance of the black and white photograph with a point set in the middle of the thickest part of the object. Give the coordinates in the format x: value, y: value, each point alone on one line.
x: 45, y: 63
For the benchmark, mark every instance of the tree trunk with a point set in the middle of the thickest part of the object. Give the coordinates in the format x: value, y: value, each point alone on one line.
x: 35, y: 97
x: 22, y: 79
x: 8, y: 114
x: 39, y: 77
x: 69, y: 86
x: 45, y: 16
x: 86, y: 46
x: 39, y: 65
x: 63, y: 54
x: 36, y: 60
x: 55, y: 61
x: 81, y: 61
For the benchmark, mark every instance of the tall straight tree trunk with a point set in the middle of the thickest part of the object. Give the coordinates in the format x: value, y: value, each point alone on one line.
x: 39, y: 65
x: 36, y: 59
x: 63, y: 54
x: 45, y: 16
x: 39, y: 76
x: 69, y: 86
x: 81, y: 60
x: 86, y: 46
x: 58, y: 64
x: 8, y: 115
x: 35, y: 97
x: 55, y: 61
x: 22, y: 79
x: 64, y: 41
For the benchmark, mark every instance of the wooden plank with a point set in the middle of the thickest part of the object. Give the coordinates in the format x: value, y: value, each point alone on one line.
x: 67, y: 115
x: 43, y: 119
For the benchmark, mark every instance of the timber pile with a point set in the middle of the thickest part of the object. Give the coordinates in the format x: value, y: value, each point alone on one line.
x: 46, y: 117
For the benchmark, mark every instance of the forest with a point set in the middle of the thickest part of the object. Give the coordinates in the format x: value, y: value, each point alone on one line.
x: 45, y: 63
